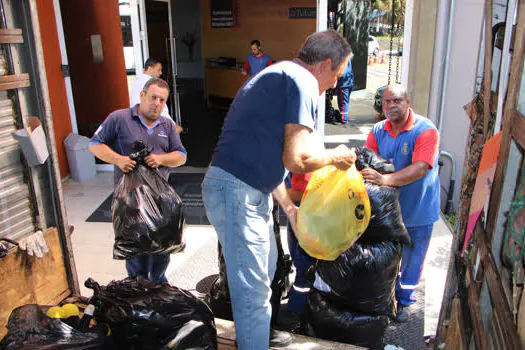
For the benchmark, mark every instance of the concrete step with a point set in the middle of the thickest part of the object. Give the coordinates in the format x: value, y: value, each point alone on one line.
x: 226, y: 340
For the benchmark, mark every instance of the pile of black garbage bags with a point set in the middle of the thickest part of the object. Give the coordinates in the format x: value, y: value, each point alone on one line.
x: 133, y: 313
x: 218, y: 297
x: 353, y: 298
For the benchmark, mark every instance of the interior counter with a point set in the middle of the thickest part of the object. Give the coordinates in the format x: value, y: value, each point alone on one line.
x: 223, y: 82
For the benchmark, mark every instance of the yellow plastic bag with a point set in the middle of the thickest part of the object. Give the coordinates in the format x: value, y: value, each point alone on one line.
x: 334, y: 212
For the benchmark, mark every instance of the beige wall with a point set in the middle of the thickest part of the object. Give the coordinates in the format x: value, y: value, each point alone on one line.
x: 265, y: 20
x: 421, y: 54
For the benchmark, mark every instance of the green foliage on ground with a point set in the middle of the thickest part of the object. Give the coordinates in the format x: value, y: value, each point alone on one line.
x: 451, y: 218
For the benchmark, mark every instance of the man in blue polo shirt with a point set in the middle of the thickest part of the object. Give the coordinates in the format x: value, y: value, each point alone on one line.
x: 268, y: 130
x: 412, y: 143
x: 257, y: 61
x: 113, y: 142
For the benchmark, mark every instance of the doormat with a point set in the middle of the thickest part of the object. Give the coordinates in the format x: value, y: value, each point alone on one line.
x: 188, y: 187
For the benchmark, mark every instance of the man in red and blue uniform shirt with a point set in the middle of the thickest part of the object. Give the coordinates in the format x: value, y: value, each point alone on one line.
x: 412, y: 143
x: 258, y: 60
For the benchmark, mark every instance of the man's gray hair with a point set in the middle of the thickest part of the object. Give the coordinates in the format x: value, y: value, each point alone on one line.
x: 322, y: 45
x: 155, y: 81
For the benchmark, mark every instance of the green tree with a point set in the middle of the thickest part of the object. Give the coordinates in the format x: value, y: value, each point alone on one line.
x: 386, y: 5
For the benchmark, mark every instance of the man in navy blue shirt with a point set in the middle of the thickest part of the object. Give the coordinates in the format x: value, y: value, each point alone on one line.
x: 268, y: 131
x: 113, y: 142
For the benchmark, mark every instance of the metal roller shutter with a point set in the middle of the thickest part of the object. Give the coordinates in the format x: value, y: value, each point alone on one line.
x: 16, y: 217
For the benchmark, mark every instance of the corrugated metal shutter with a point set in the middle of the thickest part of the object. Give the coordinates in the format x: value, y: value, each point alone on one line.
x: 16, y: 217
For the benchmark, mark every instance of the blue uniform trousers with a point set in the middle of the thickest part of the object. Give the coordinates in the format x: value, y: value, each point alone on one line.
x: 343, y: 102
x: 412, y: 260
x: 301, y: 286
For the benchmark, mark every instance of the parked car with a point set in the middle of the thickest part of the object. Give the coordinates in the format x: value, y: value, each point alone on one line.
x: 373, y: 46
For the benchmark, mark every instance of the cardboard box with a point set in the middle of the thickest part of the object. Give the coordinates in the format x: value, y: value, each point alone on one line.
x: 32, y: 140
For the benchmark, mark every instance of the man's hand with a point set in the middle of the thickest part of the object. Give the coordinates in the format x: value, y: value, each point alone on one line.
x: 126, y: 164
x: 153, y: 160
x: 373, y: 177
x: 342, y: 157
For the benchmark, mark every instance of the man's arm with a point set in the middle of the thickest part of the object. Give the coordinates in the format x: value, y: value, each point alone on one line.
x: 303, y: 154
x: 170, y: 160
x: 104, y: 152
x: 290, y: 209
x: 405, y: 176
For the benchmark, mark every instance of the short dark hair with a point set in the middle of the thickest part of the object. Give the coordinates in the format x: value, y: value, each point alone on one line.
x: 151, y: 62
x: 320, y: 46
x: 156, y: 81
x: 255, y: 42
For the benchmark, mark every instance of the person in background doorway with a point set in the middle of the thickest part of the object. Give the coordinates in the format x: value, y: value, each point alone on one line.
x: 343, y: 90
x: 152, y: 69
x: 411, y: 141
x: 257, y: 61
x: 113, y: 142
x: 270, y: 127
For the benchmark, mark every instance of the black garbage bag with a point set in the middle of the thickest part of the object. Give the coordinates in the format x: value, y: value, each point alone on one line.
x: 30, y: 328
x: 363, y: 278
x: 218, y: 297
x: 333, y: 322
x: 147, y: 315
x: 147, y: 212
x: 366, y: 158
x: 386, y: 222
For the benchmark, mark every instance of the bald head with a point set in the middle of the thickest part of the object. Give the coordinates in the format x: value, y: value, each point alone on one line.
x: 398, y: 89
x: 396, y: 104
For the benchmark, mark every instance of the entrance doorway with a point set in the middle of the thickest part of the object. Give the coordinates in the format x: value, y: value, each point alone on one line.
x: 147, y: 32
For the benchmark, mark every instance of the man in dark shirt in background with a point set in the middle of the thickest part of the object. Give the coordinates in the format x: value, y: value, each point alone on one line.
x: 113, y: 142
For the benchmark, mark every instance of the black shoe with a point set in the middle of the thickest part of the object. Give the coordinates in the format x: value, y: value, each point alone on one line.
x: 289, y: 321
x: 402, y: 313
x: 279, y: 339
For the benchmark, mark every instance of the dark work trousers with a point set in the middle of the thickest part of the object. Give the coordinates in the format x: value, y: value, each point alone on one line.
x: 343, y: 102
x: 301, y: 286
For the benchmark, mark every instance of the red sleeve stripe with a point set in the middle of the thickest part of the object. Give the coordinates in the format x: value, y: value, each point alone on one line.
x: 426, y: 148
x: 371, y: 142
x: 300, y: 181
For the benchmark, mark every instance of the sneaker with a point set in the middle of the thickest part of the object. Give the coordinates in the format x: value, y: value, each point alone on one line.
x: 279, y: 339
x: 289, y: 320
x: 402, y: 313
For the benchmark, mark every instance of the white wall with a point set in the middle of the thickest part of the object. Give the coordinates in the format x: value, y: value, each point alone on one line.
x: 458, y: 89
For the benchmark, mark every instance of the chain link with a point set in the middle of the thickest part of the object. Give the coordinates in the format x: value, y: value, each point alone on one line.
x: 397, y: 63
x: 392, y: 22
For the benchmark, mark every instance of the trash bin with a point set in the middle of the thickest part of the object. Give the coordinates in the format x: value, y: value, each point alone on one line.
x: 81, y: 160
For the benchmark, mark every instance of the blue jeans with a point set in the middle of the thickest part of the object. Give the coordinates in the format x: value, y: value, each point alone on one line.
x: 412, y: 260
x: 242, y: 217
x: 301, y: 286
x: 152, y: 267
